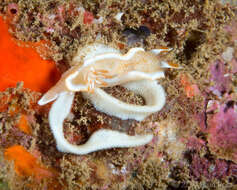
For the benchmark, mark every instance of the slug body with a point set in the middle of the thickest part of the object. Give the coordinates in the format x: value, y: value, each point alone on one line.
x: 108, y: 69
x: 97, y: 66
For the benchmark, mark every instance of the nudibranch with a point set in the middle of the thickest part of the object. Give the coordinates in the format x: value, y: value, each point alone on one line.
x: 97, y: 66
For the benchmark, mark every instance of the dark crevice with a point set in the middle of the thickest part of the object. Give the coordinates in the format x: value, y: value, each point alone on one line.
x: 195, y: 39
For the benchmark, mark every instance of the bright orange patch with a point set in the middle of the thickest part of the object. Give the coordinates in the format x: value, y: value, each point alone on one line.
x: 173, y: 64
x: 23, y: 64
x: 25, y: 163
x: 3, y: 103
x: 88, y: 17
x: 164, y: 48
x: 23, y: 125
x: 190, y: 89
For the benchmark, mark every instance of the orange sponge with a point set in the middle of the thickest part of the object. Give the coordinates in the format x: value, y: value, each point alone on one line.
x: 23, y: 64
x: 25, y: 163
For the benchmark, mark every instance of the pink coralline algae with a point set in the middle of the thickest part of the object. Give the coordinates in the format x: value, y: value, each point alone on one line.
x: 234, y: 65
x: 222, y: 129
x: 57, y: 21
x: 12, y: 8
x: 232, y: 30
x: 233, y: 169
x: 194, y: 143
x: 219, y: 78
x: 202, y: 167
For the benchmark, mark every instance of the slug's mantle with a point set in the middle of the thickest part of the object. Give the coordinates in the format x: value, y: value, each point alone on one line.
x: 99, y: 66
